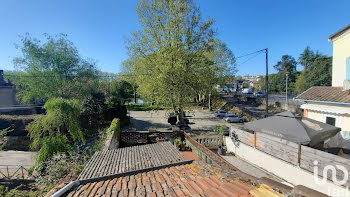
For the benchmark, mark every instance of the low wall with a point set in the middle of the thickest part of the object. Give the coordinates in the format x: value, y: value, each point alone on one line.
x: 211, y: 142
x: 287, y: 160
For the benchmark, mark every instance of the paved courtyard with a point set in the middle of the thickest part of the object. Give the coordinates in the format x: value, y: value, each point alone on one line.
x: 200, y: 120
x: 19, y: 158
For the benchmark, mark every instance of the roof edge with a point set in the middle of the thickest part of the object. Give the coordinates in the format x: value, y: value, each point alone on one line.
x: 336, y: 34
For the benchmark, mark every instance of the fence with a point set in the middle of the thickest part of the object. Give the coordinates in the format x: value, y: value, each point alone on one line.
x: 13, y: 172
x: 296, y: 154
x: 208, y: 155
x: 211, y: 142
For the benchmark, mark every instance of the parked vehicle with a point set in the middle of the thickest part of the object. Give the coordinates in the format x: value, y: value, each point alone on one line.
x: 220, y: 113
x: 259, y: 94
x: 233, y: 118
x: 247, y: 91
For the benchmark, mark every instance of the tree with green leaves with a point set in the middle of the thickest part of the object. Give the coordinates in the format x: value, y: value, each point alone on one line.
x: 51, y: 68
x: 54, y: 131
x: 286, y: 64
x: 307, y: 57
x: 319, y: 73
x: 172, y: 53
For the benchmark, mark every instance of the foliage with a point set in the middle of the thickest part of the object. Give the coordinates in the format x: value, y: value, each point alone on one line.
x: 220, y: 130
x: 121, y: 92
x: 145, y: 107
x: 3, y: 133
x: 307, y: 57
x: 92, y: 113
x: 66, y: 167
x: 51, y: 145
x: 319, y: 73
x: 287, y: 64
x: 174, y: 53
x: 52, y: 68
x: 5, y: 192
x: 115, y: 128
x: 62, y: 121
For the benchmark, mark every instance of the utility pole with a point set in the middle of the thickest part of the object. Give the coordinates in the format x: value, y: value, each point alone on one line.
x: 267, y: 83
x: 286, y: 87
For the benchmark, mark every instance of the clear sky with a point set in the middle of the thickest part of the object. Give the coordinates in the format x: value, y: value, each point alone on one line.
x: 98, y: 28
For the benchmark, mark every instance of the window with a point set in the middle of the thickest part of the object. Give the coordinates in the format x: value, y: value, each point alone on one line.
x: 330, y: 120
x: 348, y: 68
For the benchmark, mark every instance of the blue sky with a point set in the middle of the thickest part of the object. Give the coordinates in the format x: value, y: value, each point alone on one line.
x: 98, y: 28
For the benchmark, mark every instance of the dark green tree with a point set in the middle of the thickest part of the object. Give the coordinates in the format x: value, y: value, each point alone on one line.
x: 307, y: 57
x: 287, y: 64
x: 319, y: 73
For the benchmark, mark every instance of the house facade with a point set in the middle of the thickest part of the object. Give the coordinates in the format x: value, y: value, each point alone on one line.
x: 331, y: 105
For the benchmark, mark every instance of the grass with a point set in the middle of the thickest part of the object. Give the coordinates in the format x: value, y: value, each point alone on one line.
x: 145, y: 107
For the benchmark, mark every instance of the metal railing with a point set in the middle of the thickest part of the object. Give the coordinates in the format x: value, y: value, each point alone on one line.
x: 13, y: 172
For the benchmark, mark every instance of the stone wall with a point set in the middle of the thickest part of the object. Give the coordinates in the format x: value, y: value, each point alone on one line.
x: 7, y: 96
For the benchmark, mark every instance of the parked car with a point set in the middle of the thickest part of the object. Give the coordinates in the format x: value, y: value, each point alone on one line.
x: 259, y: 94
x: 233, y: 118
x: 247, y: 91
x: 220, y: 113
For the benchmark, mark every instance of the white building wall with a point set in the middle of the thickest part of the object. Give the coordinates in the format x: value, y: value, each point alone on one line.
x: 292, y: 174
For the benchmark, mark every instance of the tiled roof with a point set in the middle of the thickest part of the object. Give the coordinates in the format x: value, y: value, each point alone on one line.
x: 131, y: 158
x: 326, y: 93
x: 195, y: 179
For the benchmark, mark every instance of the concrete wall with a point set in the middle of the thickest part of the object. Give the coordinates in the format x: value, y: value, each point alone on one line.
x: 341, y: 51
x: 7, y: 96
x: 291, y: 173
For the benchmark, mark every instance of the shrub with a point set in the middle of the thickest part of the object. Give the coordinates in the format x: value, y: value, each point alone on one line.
x: 51, y: 145
x: 62, y: 122
x: 115, y: 128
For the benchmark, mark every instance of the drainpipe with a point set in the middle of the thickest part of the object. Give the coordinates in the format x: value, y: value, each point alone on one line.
x: 65, y: 189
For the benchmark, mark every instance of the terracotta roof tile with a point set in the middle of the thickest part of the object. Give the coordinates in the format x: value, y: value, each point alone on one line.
x: 185, y: 180
x: 326, y: 93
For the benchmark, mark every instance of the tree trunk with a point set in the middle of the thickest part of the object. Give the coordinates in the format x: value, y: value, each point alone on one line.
x: 209, y: 102
x: 135, y: 97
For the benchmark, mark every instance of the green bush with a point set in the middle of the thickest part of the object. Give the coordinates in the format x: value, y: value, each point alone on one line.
x: 51, y: 145
x: 61, y: 121
x: 115, y: 128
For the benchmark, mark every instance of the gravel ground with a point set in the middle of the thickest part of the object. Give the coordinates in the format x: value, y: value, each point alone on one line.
x: 200, y: 120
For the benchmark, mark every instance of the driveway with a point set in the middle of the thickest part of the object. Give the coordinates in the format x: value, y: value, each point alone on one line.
x: 17, y: 158
x: 200, y: 120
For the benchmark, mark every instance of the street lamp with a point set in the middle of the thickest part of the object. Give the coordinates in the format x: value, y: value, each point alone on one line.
x: 287, y: 73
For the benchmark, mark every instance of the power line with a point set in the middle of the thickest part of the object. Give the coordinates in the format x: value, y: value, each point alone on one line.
x: 259, y: 51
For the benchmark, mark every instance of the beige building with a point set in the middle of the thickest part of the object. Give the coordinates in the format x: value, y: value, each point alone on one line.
x: 331, y: 105
x: 341, y: 57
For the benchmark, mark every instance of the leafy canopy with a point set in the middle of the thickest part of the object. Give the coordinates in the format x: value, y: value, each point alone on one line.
x: 286, y: 64
x: 51, y: 68
x: 52, y: 131
x: 175, y: 55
